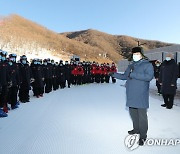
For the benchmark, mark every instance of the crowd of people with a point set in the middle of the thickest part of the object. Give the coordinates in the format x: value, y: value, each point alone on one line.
x: 17, y: 78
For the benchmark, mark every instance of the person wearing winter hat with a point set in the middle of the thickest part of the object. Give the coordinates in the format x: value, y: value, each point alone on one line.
x: 156, y: 75
x: 4, y: 81
x: 13, y: 70
x: 25, y: 79
x: 168, y: 80
x: 138, y: 76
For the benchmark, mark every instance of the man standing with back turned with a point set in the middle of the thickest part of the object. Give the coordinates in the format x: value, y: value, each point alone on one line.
x: 138, y: 76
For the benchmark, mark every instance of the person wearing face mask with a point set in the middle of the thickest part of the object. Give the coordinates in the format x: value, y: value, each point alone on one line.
x: 168, y: 80
x: 138, y: 76
x: 80, y: 74
x: 156, y: 75
x: 46, y: 75
x: 37, y: 74
x: 67, y: 73
x: 14, y: 78
x: 113, y: 70
x: 88, y: 72
x: 4, y: 82
x: 50, y: 70
x: 74, y: 73
x: 72, y: 77
x: 102, y: 73
x: 108, y: 69
x: 62, y: 77
x: 54, y: 78
x: 25, y: 76
x: 93, y: 71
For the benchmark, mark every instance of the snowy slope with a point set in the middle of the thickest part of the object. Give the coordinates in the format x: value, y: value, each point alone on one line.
x: 89, y: 119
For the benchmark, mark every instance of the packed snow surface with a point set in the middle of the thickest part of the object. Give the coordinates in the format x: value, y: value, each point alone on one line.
x: 88, y: 119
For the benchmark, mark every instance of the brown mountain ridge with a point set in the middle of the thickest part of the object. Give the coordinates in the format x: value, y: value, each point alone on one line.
x: 113, y: 44
x: 20, y: 35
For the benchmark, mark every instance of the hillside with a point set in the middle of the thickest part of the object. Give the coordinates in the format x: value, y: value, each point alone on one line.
x: 22, y: 36
x: 112, y: 44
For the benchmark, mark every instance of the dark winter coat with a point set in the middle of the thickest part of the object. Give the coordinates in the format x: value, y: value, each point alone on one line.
x: 14, y: 74
x: 156, y: 71
x: 50, y: 70
x: 138, y: 76
x: 62, y: 73
x: 25, y: 74
x: 168, y: 77
x: 4, y: 74
x: 37, y: 73
x: 68, y: 70
x: 46, y: 72
x: 54, y: 70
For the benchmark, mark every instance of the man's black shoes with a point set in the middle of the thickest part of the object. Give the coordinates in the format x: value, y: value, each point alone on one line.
x: 131, y: 132
x: 141, y: 141
x: 163, y: 105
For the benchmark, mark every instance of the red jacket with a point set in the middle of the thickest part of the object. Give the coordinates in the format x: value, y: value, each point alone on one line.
x: 93, y: 70
x: 98, y: 70
x: 80, y: 70
x: 74, y: 71
x: 103, y: 70
x: 113, y: 69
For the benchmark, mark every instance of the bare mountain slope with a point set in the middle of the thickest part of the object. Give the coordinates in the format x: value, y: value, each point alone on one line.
x: 22, y: 36
x: 112, y: 44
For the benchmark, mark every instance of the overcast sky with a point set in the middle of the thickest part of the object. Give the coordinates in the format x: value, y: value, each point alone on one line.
x: 147, y: 19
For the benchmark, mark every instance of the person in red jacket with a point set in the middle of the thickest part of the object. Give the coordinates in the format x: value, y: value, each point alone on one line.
x: 113, y: 69
x: 74, y: 73
x: 80, y: 73
x: 102, y: 73
x: 107, y: 77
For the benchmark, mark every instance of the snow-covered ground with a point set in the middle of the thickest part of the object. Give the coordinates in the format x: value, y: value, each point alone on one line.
x: 153, y: 92
x: 89, y: 119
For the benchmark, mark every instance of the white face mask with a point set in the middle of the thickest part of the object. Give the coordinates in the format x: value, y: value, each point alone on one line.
x: 24, y: 61
x: 136, y: 57
x: 168, y: 58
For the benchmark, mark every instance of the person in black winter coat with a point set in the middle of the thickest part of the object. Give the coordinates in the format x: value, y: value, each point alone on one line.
x: 25, y: 76
x: 57, y: 75
x: 46, y: 75
x: 156, y: 75
x: 54, y: 75
x: 88, y: 72
x: 50, y: 77
x: 37, y: 73
x: 68, y: 73
x: 72, y: 77
x: 4, y: 82
x: 168, y: 80
x: 62, y: 79
x: 14, y: 78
